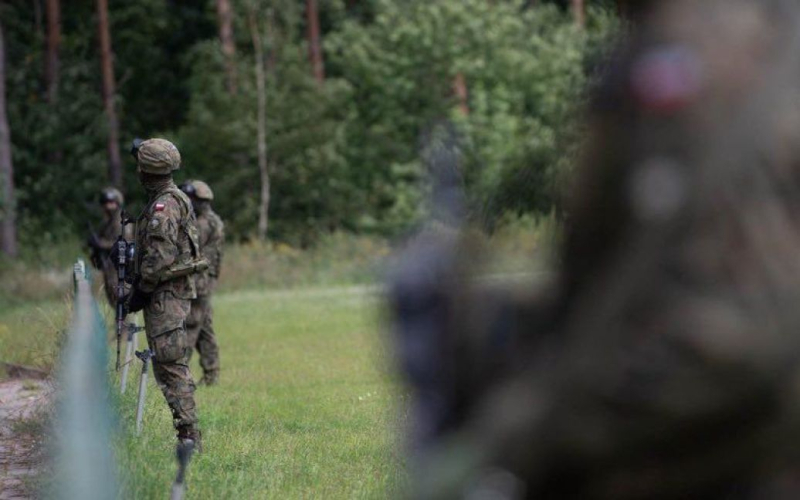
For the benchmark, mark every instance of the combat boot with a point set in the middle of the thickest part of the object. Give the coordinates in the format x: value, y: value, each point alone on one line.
x: 189, y: 435
x: 210, y: 378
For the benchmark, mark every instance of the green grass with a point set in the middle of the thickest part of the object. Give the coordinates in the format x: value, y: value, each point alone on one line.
x: 305, y: 407
x: 31, y: 334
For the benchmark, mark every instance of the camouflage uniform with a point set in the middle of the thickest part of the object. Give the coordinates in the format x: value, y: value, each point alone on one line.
x: 106, y: 237
x: 199, y: 325
x: 166, y: 237
x: 666, y: 363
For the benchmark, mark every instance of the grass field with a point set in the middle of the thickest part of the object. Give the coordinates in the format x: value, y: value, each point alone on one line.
x: 30, y: 333
x: 305, y: 409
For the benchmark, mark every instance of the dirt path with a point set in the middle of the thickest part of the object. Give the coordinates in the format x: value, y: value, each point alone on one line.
x: 23, y: 404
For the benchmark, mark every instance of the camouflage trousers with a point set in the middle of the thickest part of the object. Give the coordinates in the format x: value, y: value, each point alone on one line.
x: 171, y: 358
x: 200, y: 333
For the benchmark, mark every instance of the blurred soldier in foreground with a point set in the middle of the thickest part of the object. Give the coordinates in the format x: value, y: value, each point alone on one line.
x: 168, y: 256
x: 102, y: 241
x: 667, y: 364
x: 199, y: 324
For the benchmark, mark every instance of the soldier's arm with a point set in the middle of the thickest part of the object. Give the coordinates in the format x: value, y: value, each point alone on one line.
x: 159, y: 245
x: 108, y: 235
x: 130, y: 231
x: 213, y: 250
x: 105, y: 243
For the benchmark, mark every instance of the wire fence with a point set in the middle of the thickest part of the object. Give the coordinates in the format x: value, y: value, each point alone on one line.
x: 84, y: 462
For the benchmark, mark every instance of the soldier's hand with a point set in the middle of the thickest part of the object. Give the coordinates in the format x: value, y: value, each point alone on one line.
x: 136, y: 300
x: 113, y: 254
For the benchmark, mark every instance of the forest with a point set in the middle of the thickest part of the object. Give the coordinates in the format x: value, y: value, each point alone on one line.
x: 306, y: 117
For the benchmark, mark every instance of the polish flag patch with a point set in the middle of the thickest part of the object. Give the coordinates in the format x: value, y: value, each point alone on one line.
x: 160, y: 207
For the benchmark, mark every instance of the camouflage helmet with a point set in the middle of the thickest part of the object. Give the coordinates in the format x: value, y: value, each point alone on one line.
x: 197, y: 189
x: 158, y: 156
x: 109, y: 194
x: 202, y: 191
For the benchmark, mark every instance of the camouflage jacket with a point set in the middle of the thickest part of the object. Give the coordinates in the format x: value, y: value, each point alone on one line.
x: 211, y: 230
x: 166, y: 237
x: 109, y: 231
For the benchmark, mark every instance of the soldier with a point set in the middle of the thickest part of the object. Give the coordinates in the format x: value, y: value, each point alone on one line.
x: 102, y: 242
x: 164, y: 286
x: 199, y: 325
x: 667, y: 364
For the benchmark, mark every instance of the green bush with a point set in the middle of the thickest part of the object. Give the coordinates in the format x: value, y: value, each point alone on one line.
x: 525, y: 74
x: 345, y: 155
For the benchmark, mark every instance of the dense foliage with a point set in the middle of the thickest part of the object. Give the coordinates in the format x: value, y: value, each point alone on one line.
x: 344, y: 154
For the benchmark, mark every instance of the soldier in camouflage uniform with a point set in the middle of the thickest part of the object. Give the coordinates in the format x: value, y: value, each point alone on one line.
x: 199, y: 325
x: 167, y: 259
x: 102, y: 241
x: 665, y: 363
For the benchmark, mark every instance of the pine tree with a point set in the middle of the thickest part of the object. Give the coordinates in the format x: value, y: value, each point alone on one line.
x: 8, y: 225
x: 225, y: 22
x: 261, y: 89
x: 314, y: 41
x: 51, y: 66
x: 109, y: 94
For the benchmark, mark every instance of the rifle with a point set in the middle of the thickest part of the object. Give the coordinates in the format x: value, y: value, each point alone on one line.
x: 124, y: 252
x: 184, y: 452
x: 424, y: 288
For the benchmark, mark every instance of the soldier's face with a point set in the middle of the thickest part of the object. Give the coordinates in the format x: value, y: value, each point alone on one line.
x: 110, y: 206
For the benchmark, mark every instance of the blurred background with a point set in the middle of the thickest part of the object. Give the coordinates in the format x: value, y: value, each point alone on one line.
x: 351, y: 89
x: 330, y: 131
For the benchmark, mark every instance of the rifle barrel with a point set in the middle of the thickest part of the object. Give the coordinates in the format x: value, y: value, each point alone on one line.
x: 120, y: 326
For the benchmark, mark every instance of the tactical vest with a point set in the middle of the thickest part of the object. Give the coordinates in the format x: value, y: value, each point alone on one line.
x: 179, y: 277
x: 188, y: 238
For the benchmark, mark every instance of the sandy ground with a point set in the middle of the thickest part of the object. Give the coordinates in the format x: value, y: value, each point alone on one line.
x: 22, y: 402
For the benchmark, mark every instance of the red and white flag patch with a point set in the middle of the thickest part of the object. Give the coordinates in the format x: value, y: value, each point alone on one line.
x: 159, y: 207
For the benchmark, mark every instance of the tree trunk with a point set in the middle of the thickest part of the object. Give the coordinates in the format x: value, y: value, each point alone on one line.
x: 8, y: 209
x: 579, y: 11
x: 53, y: 44
x: 225, y: 20
x: 109, y: 93
x: 314, y: 41
x: 461, y: 93
x: 261, y: 87
x: 37, y: 18
x: 626, y: 10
